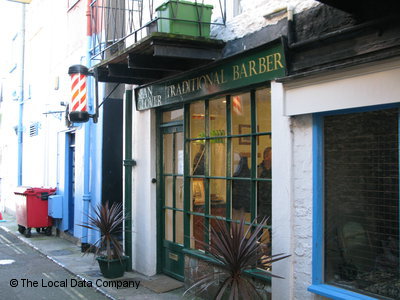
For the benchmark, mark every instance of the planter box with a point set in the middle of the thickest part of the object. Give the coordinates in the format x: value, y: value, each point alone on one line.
x: 112, y: 268
x: 179, y: 16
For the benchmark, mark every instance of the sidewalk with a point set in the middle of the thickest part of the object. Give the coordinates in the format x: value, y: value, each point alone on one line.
x: 68, y: 255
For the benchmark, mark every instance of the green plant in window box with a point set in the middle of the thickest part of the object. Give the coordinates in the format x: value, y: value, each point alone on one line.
x: 108, y: 249
x: 236, y: 249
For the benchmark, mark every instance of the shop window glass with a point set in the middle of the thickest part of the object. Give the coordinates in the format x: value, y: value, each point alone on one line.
x: 169, y: 225
x: 198, y: 196
x: 264, y: 172
x: 241, y: 156
x: 168, y: 184
x: 263, y: 104
x: 197, y: 120
x: 217, y: 109
x: 168, y: 162
x: 198, y: 157
x: 197, y: 232
x: 361, y: 191
x: 178, y: 153
x: 241, y: 199
x: 218, y: 197
x: 218, y: 157
x: 179, y: 192
x: 227, y: 149
x: 179, y: 227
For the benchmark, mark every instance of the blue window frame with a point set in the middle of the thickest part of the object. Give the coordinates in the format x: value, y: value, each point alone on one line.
x: 319, y: 284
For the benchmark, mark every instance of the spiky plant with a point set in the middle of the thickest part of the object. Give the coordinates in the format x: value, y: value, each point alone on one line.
x: 236, y: 250
x: 107, y: 220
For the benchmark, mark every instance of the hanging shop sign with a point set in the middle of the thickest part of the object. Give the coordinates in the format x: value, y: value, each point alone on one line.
x: 251, y: 67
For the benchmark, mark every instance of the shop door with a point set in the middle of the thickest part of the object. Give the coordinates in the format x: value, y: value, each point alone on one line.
x: 172, y: 200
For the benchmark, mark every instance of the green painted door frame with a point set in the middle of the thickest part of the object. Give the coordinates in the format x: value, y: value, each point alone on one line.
x: 129, y: 163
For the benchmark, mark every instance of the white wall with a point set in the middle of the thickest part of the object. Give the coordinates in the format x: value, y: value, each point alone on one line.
x: 144, y: 231
x: 361, y: 86
x: 373, y: 84
x: 281, y: 195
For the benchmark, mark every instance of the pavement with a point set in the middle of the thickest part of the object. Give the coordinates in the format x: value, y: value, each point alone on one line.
x: 68, y: 255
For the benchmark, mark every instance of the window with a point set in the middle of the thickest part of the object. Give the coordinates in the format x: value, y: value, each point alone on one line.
x: 229, y: 139
x: 360, y: 203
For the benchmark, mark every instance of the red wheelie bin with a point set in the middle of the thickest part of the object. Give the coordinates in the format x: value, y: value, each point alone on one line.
x: 32, y: 210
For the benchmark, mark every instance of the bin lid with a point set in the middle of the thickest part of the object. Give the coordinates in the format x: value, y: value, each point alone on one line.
x: 24, y: 190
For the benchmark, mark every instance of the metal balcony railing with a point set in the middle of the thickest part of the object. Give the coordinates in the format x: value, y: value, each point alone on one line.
x: 117, y: 24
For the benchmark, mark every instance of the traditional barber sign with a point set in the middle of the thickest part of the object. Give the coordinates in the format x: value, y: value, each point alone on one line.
x: 252, y: 67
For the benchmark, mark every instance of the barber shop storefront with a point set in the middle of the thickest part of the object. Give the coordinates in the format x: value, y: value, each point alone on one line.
x: 214, y: 150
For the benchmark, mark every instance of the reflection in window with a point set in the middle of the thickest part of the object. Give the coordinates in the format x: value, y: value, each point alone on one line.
x: 198, y: 157
x: 172, y: 115
x: 241, y: 113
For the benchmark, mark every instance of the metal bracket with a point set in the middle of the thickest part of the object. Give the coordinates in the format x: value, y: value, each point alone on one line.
x: 129, y: 162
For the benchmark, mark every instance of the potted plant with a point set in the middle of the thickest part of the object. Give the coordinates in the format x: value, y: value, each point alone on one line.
x: 108, y: 249
x: 235, y: 249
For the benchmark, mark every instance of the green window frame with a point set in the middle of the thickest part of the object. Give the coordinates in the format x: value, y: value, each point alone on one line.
x: 212, y: 136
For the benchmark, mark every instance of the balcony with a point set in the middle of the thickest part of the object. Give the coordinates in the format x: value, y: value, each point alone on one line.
x: 128, y: 48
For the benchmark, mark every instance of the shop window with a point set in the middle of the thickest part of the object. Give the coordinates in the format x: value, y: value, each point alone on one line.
x: 230, y: 162
x: 360, y: 203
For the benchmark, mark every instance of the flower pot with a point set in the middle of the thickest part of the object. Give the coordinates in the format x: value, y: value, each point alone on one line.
x: 112, y: 268
x: 184, y: 17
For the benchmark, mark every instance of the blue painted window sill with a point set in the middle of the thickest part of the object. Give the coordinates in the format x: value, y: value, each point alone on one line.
x: 336, y: 293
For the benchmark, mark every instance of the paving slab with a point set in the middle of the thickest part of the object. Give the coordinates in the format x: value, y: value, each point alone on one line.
x: 68, y: 255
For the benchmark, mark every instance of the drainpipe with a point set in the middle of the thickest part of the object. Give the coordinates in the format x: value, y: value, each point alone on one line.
x: 20, y: 129
x: 86, y: 151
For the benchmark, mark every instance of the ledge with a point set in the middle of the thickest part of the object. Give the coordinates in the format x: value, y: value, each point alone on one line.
x: 337, y: 293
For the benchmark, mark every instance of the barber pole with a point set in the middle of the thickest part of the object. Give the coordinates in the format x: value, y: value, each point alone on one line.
x: 78, y: 106
x: 78, y: 100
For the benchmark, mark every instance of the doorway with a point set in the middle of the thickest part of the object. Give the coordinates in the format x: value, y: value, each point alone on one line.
x: 171, y: 190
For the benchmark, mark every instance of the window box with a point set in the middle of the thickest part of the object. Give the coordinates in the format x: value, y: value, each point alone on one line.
x: 183, y: 17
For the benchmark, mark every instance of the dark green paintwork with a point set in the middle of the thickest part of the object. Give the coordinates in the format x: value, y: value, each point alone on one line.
x: 249, y: 68
x: 128, y: 175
